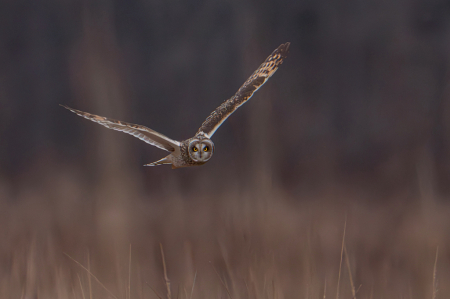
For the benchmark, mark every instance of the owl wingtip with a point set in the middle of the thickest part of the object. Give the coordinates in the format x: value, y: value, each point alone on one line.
x: 67, y: 107
x: 284, y: 48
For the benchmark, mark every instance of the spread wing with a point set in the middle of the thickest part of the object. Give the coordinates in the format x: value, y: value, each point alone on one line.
x: 256, y: 80
x: 141, y: 132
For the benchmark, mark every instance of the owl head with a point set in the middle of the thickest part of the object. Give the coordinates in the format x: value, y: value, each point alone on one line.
x: 201, y: 148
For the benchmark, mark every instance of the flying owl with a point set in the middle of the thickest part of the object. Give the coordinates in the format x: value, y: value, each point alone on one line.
x: 198, y: 149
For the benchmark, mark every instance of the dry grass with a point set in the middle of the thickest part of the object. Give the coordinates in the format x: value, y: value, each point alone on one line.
x: 65, y: 245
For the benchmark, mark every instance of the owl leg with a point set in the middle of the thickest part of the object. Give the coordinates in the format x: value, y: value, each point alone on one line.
x: 165, y: 160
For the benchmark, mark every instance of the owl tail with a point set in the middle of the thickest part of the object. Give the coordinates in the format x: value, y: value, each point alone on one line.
x: 165, y: 160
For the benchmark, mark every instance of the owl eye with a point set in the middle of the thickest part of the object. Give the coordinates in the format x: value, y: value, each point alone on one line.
x: 206, y: 149
x: 195, y: 149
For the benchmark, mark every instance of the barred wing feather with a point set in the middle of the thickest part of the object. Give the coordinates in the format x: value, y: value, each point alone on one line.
x: 143, y: 133
x: 246, y: 91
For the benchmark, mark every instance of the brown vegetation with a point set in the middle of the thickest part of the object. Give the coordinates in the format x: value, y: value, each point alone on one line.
x: 236, y: 245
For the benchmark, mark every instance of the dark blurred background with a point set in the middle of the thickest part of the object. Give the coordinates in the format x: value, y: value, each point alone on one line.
x: 358, y: 114
x: 362, y: 98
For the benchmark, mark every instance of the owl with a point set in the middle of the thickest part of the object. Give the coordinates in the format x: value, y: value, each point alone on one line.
x: 198, y: 149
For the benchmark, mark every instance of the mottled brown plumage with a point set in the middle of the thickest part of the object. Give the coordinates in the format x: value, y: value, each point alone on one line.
x: 198, y: 149
x: 253, y: 83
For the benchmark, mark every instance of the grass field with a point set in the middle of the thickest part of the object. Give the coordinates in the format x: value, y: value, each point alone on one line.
x: 235, y: 245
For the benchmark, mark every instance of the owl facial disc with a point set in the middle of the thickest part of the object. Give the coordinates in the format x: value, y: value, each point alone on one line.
x: 201, y: 149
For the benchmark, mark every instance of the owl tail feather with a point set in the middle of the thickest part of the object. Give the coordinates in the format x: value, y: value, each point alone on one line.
x: 164, y: 160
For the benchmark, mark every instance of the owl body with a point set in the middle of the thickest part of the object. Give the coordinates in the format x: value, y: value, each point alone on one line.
x: 194, y: 151
x: 198, y: 149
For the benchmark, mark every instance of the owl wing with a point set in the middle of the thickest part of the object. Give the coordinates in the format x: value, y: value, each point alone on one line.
x: 256, y: 80
x: 141, y: 132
